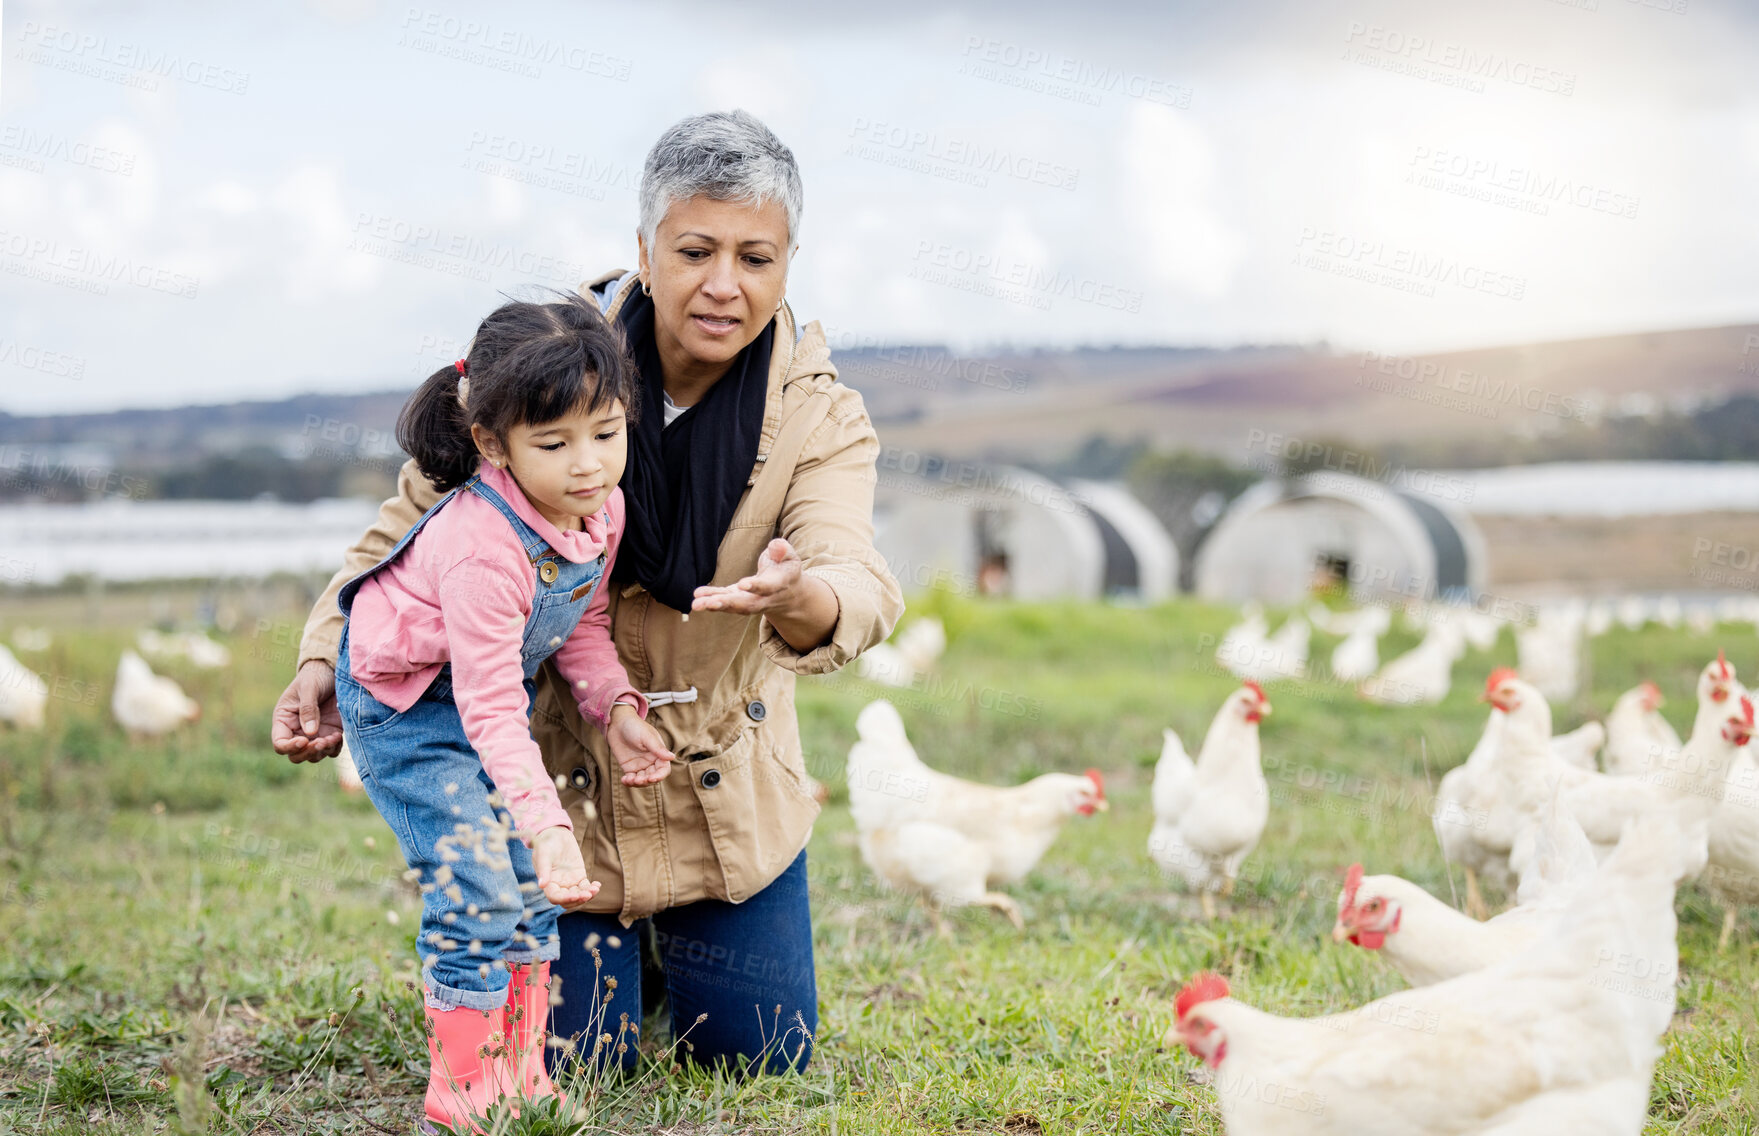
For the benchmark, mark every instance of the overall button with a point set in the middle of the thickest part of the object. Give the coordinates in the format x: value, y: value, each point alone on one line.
x: 711, y: 779
x: 547, y: 571
x: 755, y: 710
x: 580, y: 778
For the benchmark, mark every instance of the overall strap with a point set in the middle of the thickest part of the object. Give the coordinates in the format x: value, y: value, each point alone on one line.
x: 345, y: 596
x: 535, y: 546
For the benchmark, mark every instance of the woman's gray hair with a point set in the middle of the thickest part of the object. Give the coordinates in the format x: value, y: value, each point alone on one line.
x: 728, y: 156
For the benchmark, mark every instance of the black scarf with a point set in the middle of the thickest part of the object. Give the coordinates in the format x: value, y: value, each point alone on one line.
x: 684, y: 481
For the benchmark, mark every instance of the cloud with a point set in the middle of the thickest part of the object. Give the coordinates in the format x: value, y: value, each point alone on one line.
x: 1171, y: 216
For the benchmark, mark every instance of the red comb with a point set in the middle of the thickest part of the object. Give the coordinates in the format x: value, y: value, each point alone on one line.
x: 1206, y: 987
x: 1747, y: 709
x: 1499, y: 676
x: 1721, y: 664
x: 1649, y: 688
x: 1098, y: 780
x: 1255, y: 689
x: 1352, y: 882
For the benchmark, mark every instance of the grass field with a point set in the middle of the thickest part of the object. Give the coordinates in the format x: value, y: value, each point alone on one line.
x: 199, y: 936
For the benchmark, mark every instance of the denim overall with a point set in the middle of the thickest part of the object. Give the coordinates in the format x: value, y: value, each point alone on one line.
x: 481, y: 904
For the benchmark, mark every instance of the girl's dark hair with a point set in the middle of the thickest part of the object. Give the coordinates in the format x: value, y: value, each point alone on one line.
x: 528, y: 364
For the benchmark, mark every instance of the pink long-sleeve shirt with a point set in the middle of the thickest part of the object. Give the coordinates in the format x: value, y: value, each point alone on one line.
x: 462, y: 593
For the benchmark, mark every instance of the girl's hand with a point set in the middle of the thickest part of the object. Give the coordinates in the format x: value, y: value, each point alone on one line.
x: 560, y: 870
x: 803, y: 609
x: 640, y: 751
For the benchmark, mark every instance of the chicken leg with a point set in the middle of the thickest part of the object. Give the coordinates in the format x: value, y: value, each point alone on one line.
x: 1729, y: 916
x: 1475, y: 905
x: 1208, y: 901
x: 1006, y: 905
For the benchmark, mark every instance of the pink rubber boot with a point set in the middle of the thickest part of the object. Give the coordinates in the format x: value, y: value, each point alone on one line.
x: 528, y: 1020
x: 469, y: 1065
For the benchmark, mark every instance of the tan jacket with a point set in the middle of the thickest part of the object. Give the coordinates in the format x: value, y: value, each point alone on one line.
x: 728, y: 820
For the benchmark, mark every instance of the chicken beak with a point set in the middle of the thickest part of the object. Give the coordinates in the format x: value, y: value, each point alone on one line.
x: 1102, y: 805
x: 1339, y: 932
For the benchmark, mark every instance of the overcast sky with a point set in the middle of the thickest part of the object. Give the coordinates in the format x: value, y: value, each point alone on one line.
x: 212, y: 201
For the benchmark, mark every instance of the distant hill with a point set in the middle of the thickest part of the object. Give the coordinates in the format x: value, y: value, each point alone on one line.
x: 1568, y: 398
x: 1454, y: 401
x: 178, y: 432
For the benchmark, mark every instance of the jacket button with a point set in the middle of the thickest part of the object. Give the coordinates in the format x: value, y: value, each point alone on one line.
x: 711, y: 779
x: 755, y: 710
x: 580, y: 778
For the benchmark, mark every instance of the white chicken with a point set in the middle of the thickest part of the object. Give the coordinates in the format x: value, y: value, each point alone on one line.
x: 1357, y: 656
x: 204, y: 652
x: 1244, y: 643
x: 1347, y: 623
x: 1580, y: 746
x: 1209, y: 814
x: 31, y: 638
x: 949, y: 840
x: 1427, y: 941
x: 149, y: 705
x: 24, y: 695
x: 1483, y: 804
x: 1564, y: 1032
x: 1549, y: 653
x: 885, y: 664
x: 1689, y: 779
x: 1480, y: 628
x: 192, y: 645
x: 1732, y: 876
x: 915, y: 650
x: 1285, y: 652
x: 1421, y: 676
x: 1636, y: 734
x: 348, y: 773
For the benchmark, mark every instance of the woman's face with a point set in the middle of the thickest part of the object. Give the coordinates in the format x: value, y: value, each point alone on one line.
x: 717, y: 272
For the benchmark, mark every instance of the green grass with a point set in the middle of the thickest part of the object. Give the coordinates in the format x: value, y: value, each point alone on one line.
x: 198, y: 934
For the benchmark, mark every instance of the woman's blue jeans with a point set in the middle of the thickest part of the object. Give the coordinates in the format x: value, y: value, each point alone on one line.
x: 745, y: 969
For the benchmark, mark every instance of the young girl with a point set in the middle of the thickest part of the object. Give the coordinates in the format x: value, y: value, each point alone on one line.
x: 434, y: 678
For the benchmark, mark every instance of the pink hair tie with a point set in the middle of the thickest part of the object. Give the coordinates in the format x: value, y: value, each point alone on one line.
x: 463, y: 384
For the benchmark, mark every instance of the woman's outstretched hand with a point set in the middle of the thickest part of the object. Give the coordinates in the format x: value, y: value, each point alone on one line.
x: 640, y: 751
x: 803, y: 609
x: 306, y: 725
x: 561, y: 872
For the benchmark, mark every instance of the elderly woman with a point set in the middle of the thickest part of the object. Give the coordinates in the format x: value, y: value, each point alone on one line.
x: 748, y: 559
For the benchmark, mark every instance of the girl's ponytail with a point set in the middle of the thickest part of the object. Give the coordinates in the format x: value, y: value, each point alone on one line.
x: 435, y: 430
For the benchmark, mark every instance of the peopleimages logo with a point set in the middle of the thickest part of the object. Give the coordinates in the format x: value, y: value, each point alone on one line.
x: 1402, y: 267
x: 1450, y: 64
x: 1031, y: 284
x: 86, y: 269
x: 100, y: 57
x: 952, y: 157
